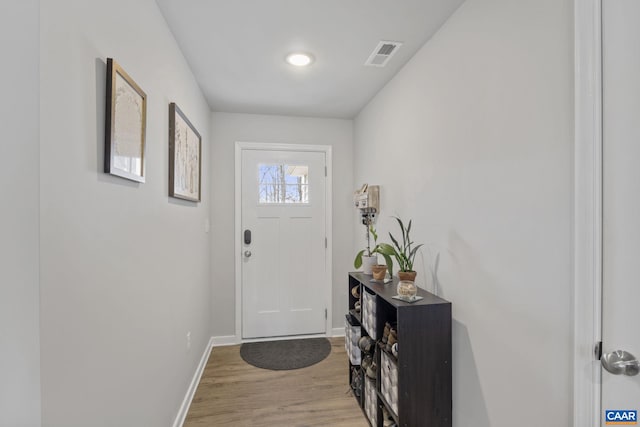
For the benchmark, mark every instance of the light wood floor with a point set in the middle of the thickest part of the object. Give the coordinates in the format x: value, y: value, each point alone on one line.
x: 232, y: 392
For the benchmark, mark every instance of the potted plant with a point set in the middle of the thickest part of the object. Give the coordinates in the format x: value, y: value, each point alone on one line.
x: 368, y: 257
x: 404, y: 254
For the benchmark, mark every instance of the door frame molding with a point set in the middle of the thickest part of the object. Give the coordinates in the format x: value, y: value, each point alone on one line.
x: 326, y: 149
x: 587, y: 239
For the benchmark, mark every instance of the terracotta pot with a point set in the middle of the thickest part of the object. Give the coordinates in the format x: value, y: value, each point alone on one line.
x: 407, y: 275
x: 379, y: 271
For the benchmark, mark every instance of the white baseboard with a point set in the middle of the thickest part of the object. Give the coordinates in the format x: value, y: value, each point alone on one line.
x: 337, y: 332
x: 191, y: 391
x: 225, y: 340
x: 234, y: 340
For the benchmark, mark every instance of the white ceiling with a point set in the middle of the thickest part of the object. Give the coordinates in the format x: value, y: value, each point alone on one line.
x: 236, y: 49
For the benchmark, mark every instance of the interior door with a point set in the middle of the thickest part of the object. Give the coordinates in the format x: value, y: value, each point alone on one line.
x: 621, y: 206
x: 283, y: 243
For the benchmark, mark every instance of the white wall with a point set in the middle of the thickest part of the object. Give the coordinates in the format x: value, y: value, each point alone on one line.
x: 228, y: 128
x: 124, y: 268
x: 19, y: 184
x: 473, y: 140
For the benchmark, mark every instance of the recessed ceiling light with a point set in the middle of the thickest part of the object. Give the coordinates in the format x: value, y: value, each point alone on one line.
x: 299, y: 59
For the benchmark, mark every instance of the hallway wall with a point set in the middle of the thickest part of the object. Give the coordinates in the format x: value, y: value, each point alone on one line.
x: 226, y: 129
x: 19, y: 186
x: 473, y: 139
x: 124, y: 268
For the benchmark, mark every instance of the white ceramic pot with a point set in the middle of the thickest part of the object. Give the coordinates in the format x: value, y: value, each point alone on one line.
x: 368, y: 262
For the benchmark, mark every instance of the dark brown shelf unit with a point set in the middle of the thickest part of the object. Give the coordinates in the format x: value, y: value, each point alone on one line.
x: 424, y: 353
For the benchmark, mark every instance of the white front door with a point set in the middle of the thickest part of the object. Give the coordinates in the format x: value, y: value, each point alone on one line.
x: 283, y: 243
x: 621, y: 202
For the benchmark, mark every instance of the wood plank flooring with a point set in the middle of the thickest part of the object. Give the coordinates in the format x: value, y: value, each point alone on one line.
x: 232, y: 392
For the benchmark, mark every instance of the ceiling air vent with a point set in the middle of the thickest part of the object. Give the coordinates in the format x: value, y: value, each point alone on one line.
x: 382, y: 53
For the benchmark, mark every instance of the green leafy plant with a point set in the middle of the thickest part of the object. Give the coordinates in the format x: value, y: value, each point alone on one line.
x: 377, y: 249
x: 405, y: 253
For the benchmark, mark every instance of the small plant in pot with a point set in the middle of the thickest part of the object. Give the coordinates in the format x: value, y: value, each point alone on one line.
x: 370, y: 256
x: 405, y: 253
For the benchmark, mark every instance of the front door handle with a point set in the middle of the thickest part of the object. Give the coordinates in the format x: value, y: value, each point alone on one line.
x: 621, y: 362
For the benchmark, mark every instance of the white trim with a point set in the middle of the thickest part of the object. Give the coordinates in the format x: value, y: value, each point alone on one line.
x: 238, y: 234
x: 587, y: 212
x: 337, y: 332
x: 327, y: 150
x: 328, y: 229
x: 268, y: 146
x: 191, y: 391
x: 283, y: 338
x: 225, y: 340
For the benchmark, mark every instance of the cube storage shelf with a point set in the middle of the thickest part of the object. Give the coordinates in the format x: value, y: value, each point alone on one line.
x: 415, y: 387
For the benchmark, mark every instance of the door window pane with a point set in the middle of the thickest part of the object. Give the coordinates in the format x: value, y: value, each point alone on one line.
x: 283, y: 184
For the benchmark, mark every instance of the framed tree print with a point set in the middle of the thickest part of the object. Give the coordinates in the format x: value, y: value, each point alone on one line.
x: 185, y: 156
x: 125, y: 125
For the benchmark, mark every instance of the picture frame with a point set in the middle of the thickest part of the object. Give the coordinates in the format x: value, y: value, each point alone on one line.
x: 125, y: 125
x: 185, y: 157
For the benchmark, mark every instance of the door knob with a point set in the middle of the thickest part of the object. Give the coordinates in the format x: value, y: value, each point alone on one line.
x: 621, y: 362
x: 247, y: 253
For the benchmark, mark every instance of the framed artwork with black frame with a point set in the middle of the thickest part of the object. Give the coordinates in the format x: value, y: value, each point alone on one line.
x: 185, y: 156
x: 125, y: 125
